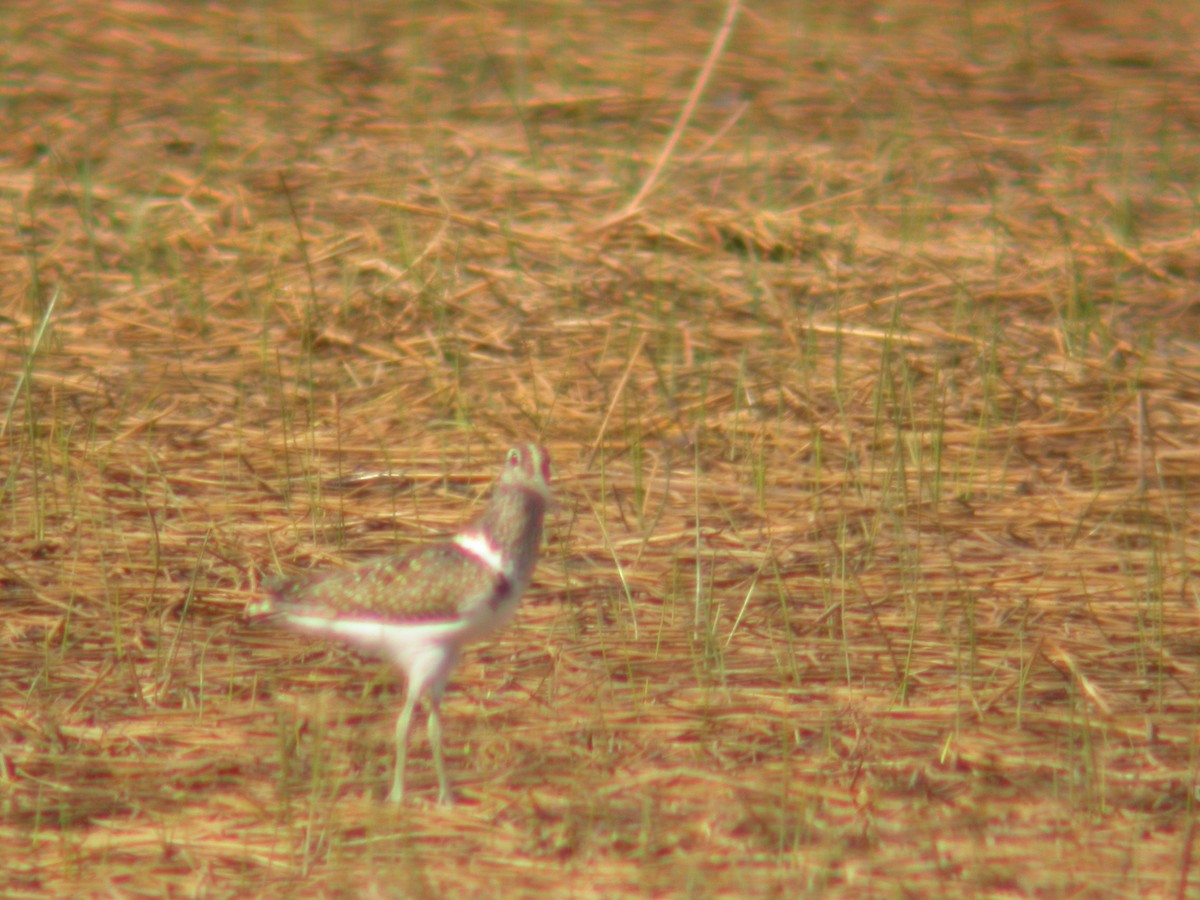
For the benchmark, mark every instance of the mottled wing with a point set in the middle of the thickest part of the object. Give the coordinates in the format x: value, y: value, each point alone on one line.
x: 433, y: 584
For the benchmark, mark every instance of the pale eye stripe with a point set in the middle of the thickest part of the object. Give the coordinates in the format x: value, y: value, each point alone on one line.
x: 481, y: 548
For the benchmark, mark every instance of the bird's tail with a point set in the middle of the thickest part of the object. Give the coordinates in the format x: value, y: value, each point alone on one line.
x: 266, y: 606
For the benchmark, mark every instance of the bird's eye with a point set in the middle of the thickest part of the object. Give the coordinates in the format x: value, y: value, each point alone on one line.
x: 514, y: 458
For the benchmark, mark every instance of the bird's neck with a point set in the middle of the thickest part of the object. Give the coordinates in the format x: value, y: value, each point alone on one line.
x: 513, y: 525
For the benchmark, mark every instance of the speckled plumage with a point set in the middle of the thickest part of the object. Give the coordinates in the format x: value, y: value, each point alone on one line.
x: 420, y: 608
x: 435, y: 583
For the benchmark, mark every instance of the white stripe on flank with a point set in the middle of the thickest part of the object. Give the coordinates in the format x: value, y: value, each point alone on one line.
x: 419, y: 648
x: 481, y: 548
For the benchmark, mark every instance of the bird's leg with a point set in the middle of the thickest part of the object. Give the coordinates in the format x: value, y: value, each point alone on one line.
x: 402, y: 726
x: 435, y: 740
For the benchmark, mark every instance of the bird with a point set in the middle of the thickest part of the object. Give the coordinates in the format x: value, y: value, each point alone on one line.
x: 418, y: 609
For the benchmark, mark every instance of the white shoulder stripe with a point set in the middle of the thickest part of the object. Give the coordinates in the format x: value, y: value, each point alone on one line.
x: 481, y: 548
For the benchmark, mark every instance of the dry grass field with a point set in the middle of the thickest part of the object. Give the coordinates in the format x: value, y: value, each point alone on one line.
x: 865, y: 338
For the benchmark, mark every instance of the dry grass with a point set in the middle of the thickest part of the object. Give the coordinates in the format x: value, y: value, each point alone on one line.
x: 875, y: 420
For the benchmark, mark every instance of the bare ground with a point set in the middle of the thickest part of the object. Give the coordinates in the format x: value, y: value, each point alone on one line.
x: 875, y: 410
